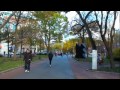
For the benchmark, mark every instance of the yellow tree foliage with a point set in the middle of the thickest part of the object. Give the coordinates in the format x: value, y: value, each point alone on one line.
x: 57, y: 46
x: 70, y: 45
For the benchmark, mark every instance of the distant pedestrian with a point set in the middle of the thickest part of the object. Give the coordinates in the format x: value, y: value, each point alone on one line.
x: 55, y: 53
x: 61, y: 54
x: 4, y: 53
x: 100, y: 60
x: 50, y: 56
x: 27, y: 59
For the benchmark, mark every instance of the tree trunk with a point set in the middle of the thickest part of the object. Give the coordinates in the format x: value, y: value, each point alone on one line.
x: 91, y: 39
x: 83, y: 39
x: 21, y: 43
x: 109, y: 52
x: 48, y: 48
x: 15, y: 49
x: 21, y: 49
x: 112, y: 65
x: 8, y: 44
x: 40, y: 46
x: 17, y: 22
x: 8, y: 47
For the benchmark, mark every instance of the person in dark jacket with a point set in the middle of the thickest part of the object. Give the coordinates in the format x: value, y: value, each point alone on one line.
x: 27, y: 59
x: 50, y: 56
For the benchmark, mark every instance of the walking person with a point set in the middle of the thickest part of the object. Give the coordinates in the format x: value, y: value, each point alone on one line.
x: 50, y: 56
x: 27, y: 59
x: 4, y: 53
x: 100, y: 60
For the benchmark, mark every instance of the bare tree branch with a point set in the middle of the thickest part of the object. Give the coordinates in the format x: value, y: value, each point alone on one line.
x: 106, y: 20
x: 88, y: 29
x: 88, y: 14
x: 97, y: 21
x: 112, y: 28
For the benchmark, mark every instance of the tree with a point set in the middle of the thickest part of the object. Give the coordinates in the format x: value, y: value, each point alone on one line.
x: 116, y: 41
x: 51, y: 23
x: 103, y: 26
x: 57, y: 46
x: 6, y: 21
x: 17, y: 18
x: 70, y: 45
x: 86, y: 25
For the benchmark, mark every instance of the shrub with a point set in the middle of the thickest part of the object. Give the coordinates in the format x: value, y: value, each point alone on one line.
x: 116, y: 54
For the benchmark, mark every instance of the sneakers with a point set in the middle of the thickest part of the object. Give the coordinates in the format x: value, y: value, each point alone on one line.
x: 27, y: 71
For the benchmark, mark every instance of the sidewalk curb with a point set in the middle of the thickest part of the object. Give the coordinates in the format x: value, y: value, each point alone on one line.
x: 101, y: 71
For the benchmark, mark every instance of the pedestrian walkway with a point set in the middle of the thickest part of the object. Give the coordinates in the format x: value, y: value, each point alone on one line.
x: 81, y: 71
x: 63, y: 67
x: 60, y: 69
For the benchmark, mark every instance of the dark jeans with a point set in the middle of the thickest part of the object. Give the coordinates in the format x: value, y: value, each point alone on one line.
x: 50, y: 60
x: 27, y: 66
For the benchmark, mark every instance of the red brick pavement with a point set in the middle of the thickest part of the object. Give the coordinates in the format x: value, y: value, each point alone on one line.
x: 81, y: 71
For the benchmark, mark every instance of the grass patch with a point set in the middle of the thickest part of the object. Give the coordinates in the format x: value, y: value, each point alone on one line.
x: 9, y: 63
x: 89, y: 59
x: 40, y: 56
x: 108, y: 69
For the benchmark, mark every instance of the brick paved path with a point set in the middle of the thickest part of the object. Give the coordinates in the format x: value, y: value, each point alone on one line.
x: 82, y: 71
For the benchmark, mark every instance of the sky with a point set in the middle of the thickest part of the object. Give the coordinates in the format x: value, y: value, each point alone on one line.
x: 71, y: 16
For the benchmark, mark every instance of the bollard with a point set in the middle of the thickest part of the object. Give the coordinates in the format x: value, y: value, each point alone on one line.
x: 94, y: 59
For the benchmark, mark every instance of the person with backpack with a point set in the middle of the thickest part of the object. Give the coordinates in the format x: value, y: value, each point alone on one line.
x: 50, y: 56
